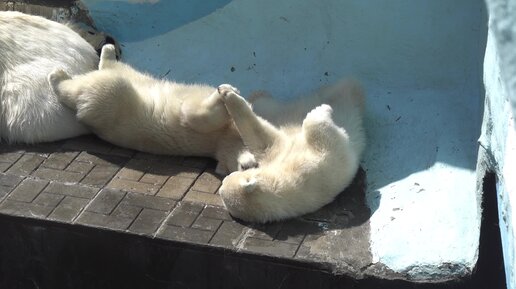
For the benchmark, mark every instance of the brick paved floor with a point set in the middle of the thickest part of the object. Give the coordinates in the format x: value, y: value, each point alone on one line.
x: 86, y: 181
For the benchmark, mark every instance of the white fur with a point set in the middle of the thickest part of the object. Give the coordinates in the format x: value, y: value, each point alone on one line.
x: 135, y: 110
x: 290, y: 171
x: 301, y: 168
x: 30, y: 47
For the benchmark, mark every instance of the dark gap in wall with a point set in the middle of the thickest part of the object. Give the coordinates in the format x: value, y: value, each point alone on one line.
x: 489, y: 272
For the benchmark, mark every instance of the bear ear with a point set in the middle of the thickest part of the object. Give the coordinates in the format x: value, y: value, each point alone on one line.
x: 248, y: 184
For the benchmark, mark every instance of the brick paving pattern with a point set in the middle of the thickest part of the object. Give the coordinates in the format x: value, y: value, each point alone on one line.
x: 89, y: 182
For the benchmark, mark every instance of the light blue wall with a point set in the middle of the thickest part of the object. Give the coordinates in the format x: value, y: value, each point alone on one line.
x: 499, y: 128
x: 288, y: 46
x: 421, y: 65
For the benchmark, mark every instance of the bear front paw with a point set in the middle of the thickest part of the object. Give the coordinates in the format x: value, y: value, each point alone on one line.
x: 225, y: 90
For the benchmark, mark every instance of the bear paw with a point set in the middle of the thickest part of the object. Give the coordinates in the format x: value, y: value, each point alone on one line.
x: 108, y: 52
x: 56, y: 76
x: 225, y: 90
x: 319, y: 114
x: 246, y: 161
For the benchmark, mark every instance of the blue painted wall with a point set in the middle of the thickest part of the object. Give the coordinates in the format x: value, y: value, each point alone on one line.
x: 288, y: 46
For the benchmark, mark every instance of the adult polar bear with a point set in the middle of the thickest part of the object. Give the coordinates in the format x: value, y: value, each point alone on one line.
x: 30, y: 47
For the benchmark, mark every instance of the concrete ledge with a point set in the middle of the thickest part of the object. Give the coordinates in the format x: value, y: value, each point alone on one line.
x: 85, y: 181
x: 57, y: 255
x: 85, y: 214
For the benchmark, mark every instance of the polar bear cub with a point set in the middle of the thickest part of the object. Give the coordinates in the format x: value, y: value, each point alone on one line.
x: 31, y: 46
x: 301, y: 167
x: 135, y: 110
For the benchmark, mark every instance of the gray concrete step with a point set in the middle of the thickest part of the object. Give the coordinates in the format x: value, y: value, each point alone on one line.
x: 102, y: 215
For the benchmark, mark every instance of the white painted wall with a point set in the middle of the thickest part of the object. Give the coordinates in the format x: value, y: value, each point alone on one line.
x: 499, y: 130
x: 420, y: 62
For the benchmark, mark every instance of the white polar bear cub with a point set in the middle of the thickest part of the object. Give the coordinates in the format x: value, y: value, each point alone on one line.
x: 301, y: 168
x: 30, y: 47
x: 134, y: 110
